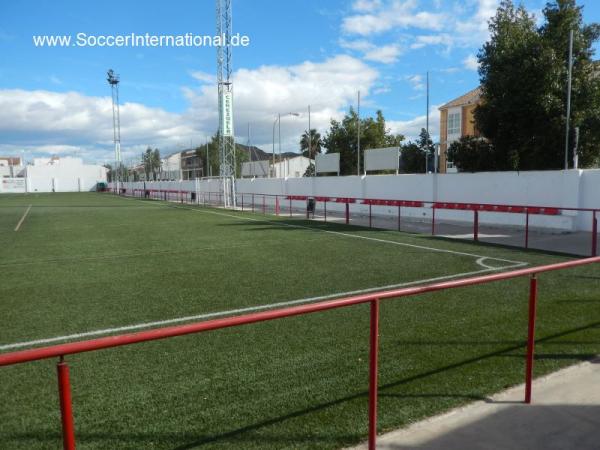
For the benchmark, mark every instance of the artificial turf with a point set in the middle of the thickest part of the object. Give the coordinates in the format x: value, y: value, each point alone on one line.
x: 85, y: 262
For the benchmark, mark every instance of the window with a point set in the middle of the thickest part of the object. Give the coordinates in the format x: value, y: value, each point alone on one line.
x: 454, y: 123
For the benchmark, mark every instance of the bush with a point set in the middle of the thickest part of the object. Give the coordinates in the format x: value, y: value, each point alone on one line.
x: 472, y: 154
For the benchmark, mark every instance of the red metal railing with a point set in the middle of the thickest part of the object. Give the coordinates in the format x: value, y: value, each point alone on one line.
x: 60, y: 351
x: 278, y: 201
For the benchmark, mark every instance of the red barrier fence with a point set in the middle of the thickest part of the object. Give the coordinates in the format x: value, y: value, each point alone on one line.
x: 60, y: 351
x: 278, y: 203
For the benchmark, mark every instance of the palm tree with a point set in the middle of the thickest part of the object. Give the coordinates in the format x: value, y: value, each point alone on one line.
x: 315, y: 143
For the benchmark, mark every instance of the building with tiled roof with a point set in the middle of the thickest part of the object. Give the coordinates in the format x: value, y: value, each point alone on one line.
x: 457, y: 120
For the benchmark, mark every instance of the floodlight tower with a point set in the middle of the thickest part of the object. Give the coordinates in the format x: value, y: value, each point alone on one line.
x: 113, y: 80
x: 225, y: 95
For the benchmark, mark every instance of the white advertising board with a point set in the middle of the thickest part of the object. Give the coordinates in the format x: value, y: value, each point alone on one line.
x: 14, y: 185
x: 382, y: 159
x: 255, y: 169
x: 327, y: 163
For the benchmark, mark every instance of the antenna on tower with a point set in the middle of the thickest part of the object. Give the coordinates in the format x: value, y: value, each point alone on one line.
x: 225, y: 94
x: 113, y: 80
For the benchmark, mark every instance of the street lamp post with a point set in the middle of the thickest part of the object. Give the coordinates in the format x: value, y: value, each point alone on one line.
x: 278, y: 121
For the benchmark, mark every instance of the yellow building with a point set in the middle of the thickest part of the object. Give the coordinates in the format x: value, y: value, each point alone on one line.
x: 457, y: 120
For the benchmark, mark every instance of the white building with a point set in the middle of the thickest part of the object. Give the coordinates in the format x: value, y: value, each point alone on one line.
x: 11, y: 167
x: 171, y: 167
x: 63, y: 175
x: 292, y: 167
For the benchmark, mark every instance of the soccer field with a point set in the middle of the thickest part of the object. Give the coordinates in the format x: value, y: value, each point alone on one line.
x: 80, y: 266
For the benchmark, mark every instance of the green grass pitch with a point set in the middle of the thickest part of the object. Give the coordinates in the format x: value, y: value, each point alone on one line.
x: 87, y: 263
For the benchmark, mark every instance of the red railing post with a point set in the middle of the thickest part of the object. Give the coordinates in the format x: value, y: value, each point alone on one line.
x: 242, y: 202
x: 527, y: 228
x: 347, y: 213
x: 290, y: 207
x: 433, y: 220
x: 399, y: 217
x: 530, y: 337
x: 252, y: 202
x: 277, y: 205
x: 594, y: 234
x: 475, y: 225
x: 325, y: 210
x: 370, y: 215
x: 373, y: 353
x: 66, y: 405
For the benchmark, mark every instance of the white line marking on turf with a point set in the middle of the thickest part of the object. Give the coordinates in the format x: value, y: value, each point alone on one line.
x: 236, y: 311
x: 22, y: 219
x: 479, y: 261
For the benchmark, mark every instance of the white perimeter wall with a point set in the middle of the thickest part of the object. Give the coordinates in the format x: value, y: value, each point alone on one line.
x: 64, y: 177
x: 561, y: 189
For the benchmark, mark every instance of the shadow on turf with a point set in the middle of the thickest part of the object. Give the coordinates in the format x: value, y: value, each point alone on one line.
x: 240, y: 434
x: 303, y: 224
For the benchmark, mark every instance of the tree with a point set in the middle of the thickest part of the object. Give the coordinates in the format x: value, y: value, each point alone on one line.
x: 472, y: 154
x: 412, y: 158
x: 151, y: 162
x: 315, y: 143
x: 428, y: 149
x: 523, y: 72
x: 310, y: 171
x: 211, y: 162
x: 342, y: 138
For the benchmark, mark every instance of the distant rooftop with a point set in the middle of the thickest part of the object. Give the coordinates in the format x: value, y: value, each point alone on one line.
x: 469, y: 98
x: 11, y: 160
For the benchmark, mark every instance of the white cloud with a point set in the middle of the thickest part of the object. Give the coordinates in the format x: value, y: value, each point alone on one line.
x: 471, y: 63
x: 411, y: 128
x: 386, y: 54
x: 360, y: 45
x: 459, y: 24
x: 52, y: 121
x: 71, y: 121
x: 366, y: 5
x: 430, y: 39
x: 398, y: 14
x: 203, y: 77
x: 416, y: 82
x: 259, y: 94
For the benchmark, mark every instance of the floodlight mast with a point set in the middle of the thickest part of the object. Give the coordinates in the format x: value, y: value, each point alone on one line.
x: 113, y: 80
x: 225, y: 95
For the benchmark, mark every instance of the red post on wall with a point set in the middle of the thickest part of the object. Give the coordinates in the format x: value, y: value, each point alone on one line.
x: 347, y: 213
x: 594, y: 234
x: 373, y: 353
x: 66, y: 405
x: 530, y: 337
x: 277, y: 205
x: 433, y: 220
x: 370, y: 215
x: 527, y: 228
x: 399, y: 217
x: 252, y: 202
x: 475, y: 225
x: 325, y: 210
x: 290, y: 207
x: 242, y: 202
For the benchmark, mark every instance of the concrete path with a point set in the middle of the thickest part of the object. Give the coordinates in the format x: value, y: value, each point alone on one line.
x: 564, y: 414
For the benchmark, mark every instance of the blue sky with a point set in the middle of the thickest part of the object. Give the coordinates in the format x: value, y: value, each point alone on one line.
x: 56, y: 100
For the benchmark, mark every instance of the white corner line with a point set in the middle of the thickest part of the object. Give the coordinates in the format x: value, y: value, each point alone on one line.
x: 22, y: 219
